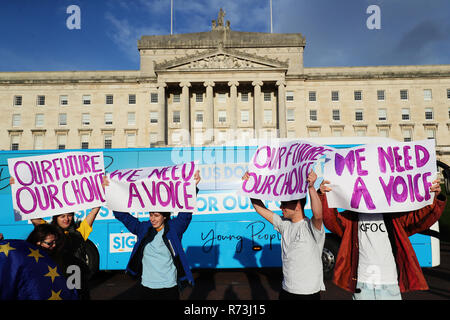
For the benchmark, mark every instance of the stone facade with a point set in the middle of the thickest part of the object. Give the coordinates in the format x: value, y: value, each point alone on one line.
x: 221, y: 86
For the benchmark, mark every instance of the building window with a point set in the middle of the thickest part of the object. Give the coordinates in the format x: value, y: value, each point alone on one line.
x: 39, y: 120
x: 334, y: 95
x: 38, y: 143
x: 17, y: 100
x: 84, y: 141
x: 131, y: 140
x: 289, y: 96
x: 176, y: 117
x: 312, y: 96
x: 15, y: 142
x: 448, y: 93
x: 427, y: 94
x: 16, y: 120
x: 131, y: 116
x: 153, y: 138
x: 109, y: 99
x: 222, y: 114
x: 131, y: 99
x: 86, y: 99
x: 245, y: 116
x: 407, y: 135
x: 62, y: 119
x: 61, y: 141
x: 313, y: 115
x: 85, y: 119
x: 360, y: 132
x: 199, y: 116
x: 290, y: 115
x: 154, y: 116
x: 199, y: 97
x: 428, y: 113
x: 267, y: 96
x: 382, y: 115
x: 176, y: 97
x: 381, y: 95
x: 403, y: 94
x: 357, y: 95
x: 431, y: 133
x: 40, y: 101
x: 153, y: 97
x: 63, y: 100
x: 221, y: 97
x: 359, y: 115
x: 267, y: 116
x: 108, y: 118
x: 336, y: 115
x: 336, y: 132
x: 383, y: 132
x: 107, y: 141
x: 405, y: 114
x: 244, y: 96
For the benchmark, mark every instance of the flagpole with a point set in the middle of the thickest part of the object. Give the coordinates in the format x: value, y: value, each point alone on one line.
x: 171, y: 16
x: 271, y: 25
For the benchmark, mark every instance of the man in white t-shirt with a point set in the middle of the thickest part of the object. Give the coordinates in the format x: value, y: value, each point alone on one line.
x: 302, y: 241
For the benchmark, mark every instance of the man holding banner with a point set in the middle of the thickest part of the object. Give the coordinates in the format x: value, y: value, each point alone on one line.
x: 283, y: 172
x: 388, y: 195
x: 157, y: 259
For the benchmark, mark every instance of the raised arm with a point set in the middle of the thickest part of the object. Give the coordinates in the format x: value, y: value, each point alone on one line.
x: 316, y: 204
x: 259, y: 206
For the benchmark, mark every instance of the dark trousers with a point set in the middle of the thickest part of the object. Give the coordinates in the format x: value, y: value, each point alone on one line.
x: 140, y: 292
x: 284, y: 295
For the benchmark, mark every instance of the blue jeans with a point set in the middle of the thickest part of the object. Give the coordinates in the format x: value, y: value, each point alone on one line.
x: 368, y: 291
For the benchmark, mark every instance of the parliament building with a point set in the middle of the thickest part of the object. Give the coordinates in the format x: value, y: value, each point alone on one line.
x: 222, y: 87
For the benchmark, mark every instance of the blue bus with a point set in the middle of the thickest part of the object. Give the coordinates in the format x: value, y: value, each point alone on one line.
x: 225, y: 231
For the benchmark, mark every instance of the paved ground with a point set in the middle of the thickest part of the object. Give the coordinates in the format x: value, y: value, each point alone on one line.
x: 263, y: 284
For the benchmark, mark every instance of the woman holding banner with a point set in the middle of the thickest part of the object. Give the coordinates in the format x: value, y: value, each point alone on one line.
x: 301, y: 244
x: 376, y: 260
x: 73, y: 244
x: 158, y: 259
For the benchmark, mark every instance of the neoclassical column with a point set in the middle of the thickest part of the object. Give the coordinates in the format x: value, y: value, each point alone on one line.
x: 281, y: 109
x: 233, y: 100
x: 209, y: 111
x: 162, y: 116
x: 258, y: 112
x: 185, y: 112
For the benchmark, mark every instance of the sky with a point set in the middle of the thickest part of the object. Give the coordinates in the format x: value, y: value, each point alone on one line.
x: 35, y: 35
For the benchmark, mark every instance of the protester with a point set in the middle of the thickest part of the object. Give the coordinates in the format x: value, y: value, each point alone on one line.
x: 376, y: 260
x: 301, y: 244
x: 158, y: 260
x: 46, y: 236
x: 73, y: 243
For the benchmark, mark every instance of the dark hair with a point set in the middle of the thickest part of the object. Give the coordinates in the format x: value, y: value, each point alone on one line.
x: 41, y: 231
x: 302, y: 202
x: 55, y: 220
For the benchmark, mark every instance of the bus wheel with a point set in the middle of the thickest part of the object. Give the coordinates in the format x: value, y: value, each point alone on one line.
x: 329, y: 255
x: 92, y: 257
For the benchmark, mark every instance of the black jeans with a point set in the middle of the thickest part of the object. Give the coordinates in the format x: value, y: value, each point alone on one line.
x: 140, y: 292
x: 284, y: 295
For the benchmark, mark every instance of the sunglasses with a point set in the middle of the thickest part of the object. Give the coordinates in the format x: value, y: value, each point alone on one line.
x: 49, y: 243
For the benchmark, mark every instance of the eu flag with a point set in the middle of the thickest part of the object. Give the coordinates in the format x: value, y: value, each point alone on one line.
x: 28, y: 273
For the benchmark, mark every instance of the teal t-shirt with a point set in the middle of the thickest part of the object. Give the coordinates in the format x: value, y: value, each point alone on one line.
x: 158, y: 270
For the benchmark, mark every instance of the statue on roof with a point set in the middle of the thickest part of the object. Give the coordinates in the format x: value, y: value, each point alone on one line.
x: 218, y: 24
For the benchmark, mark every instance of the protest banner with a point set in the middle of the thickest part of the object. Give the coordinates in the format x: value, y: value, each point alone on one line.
x: 156, y: 189
x: 58, y: 183
x: 382, y: 178
x: 279, y: 171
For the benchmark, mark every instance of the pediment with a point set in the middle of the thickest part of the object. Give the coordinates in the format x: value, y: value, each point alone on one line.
x: 225, y: 59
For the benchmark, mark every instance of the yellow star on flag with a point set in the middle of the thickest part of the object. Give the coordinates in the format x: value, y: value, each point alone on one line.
x: 55, y: 295
x: 35, y: 254
x: 52, y: 273
x: 6, y: 248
